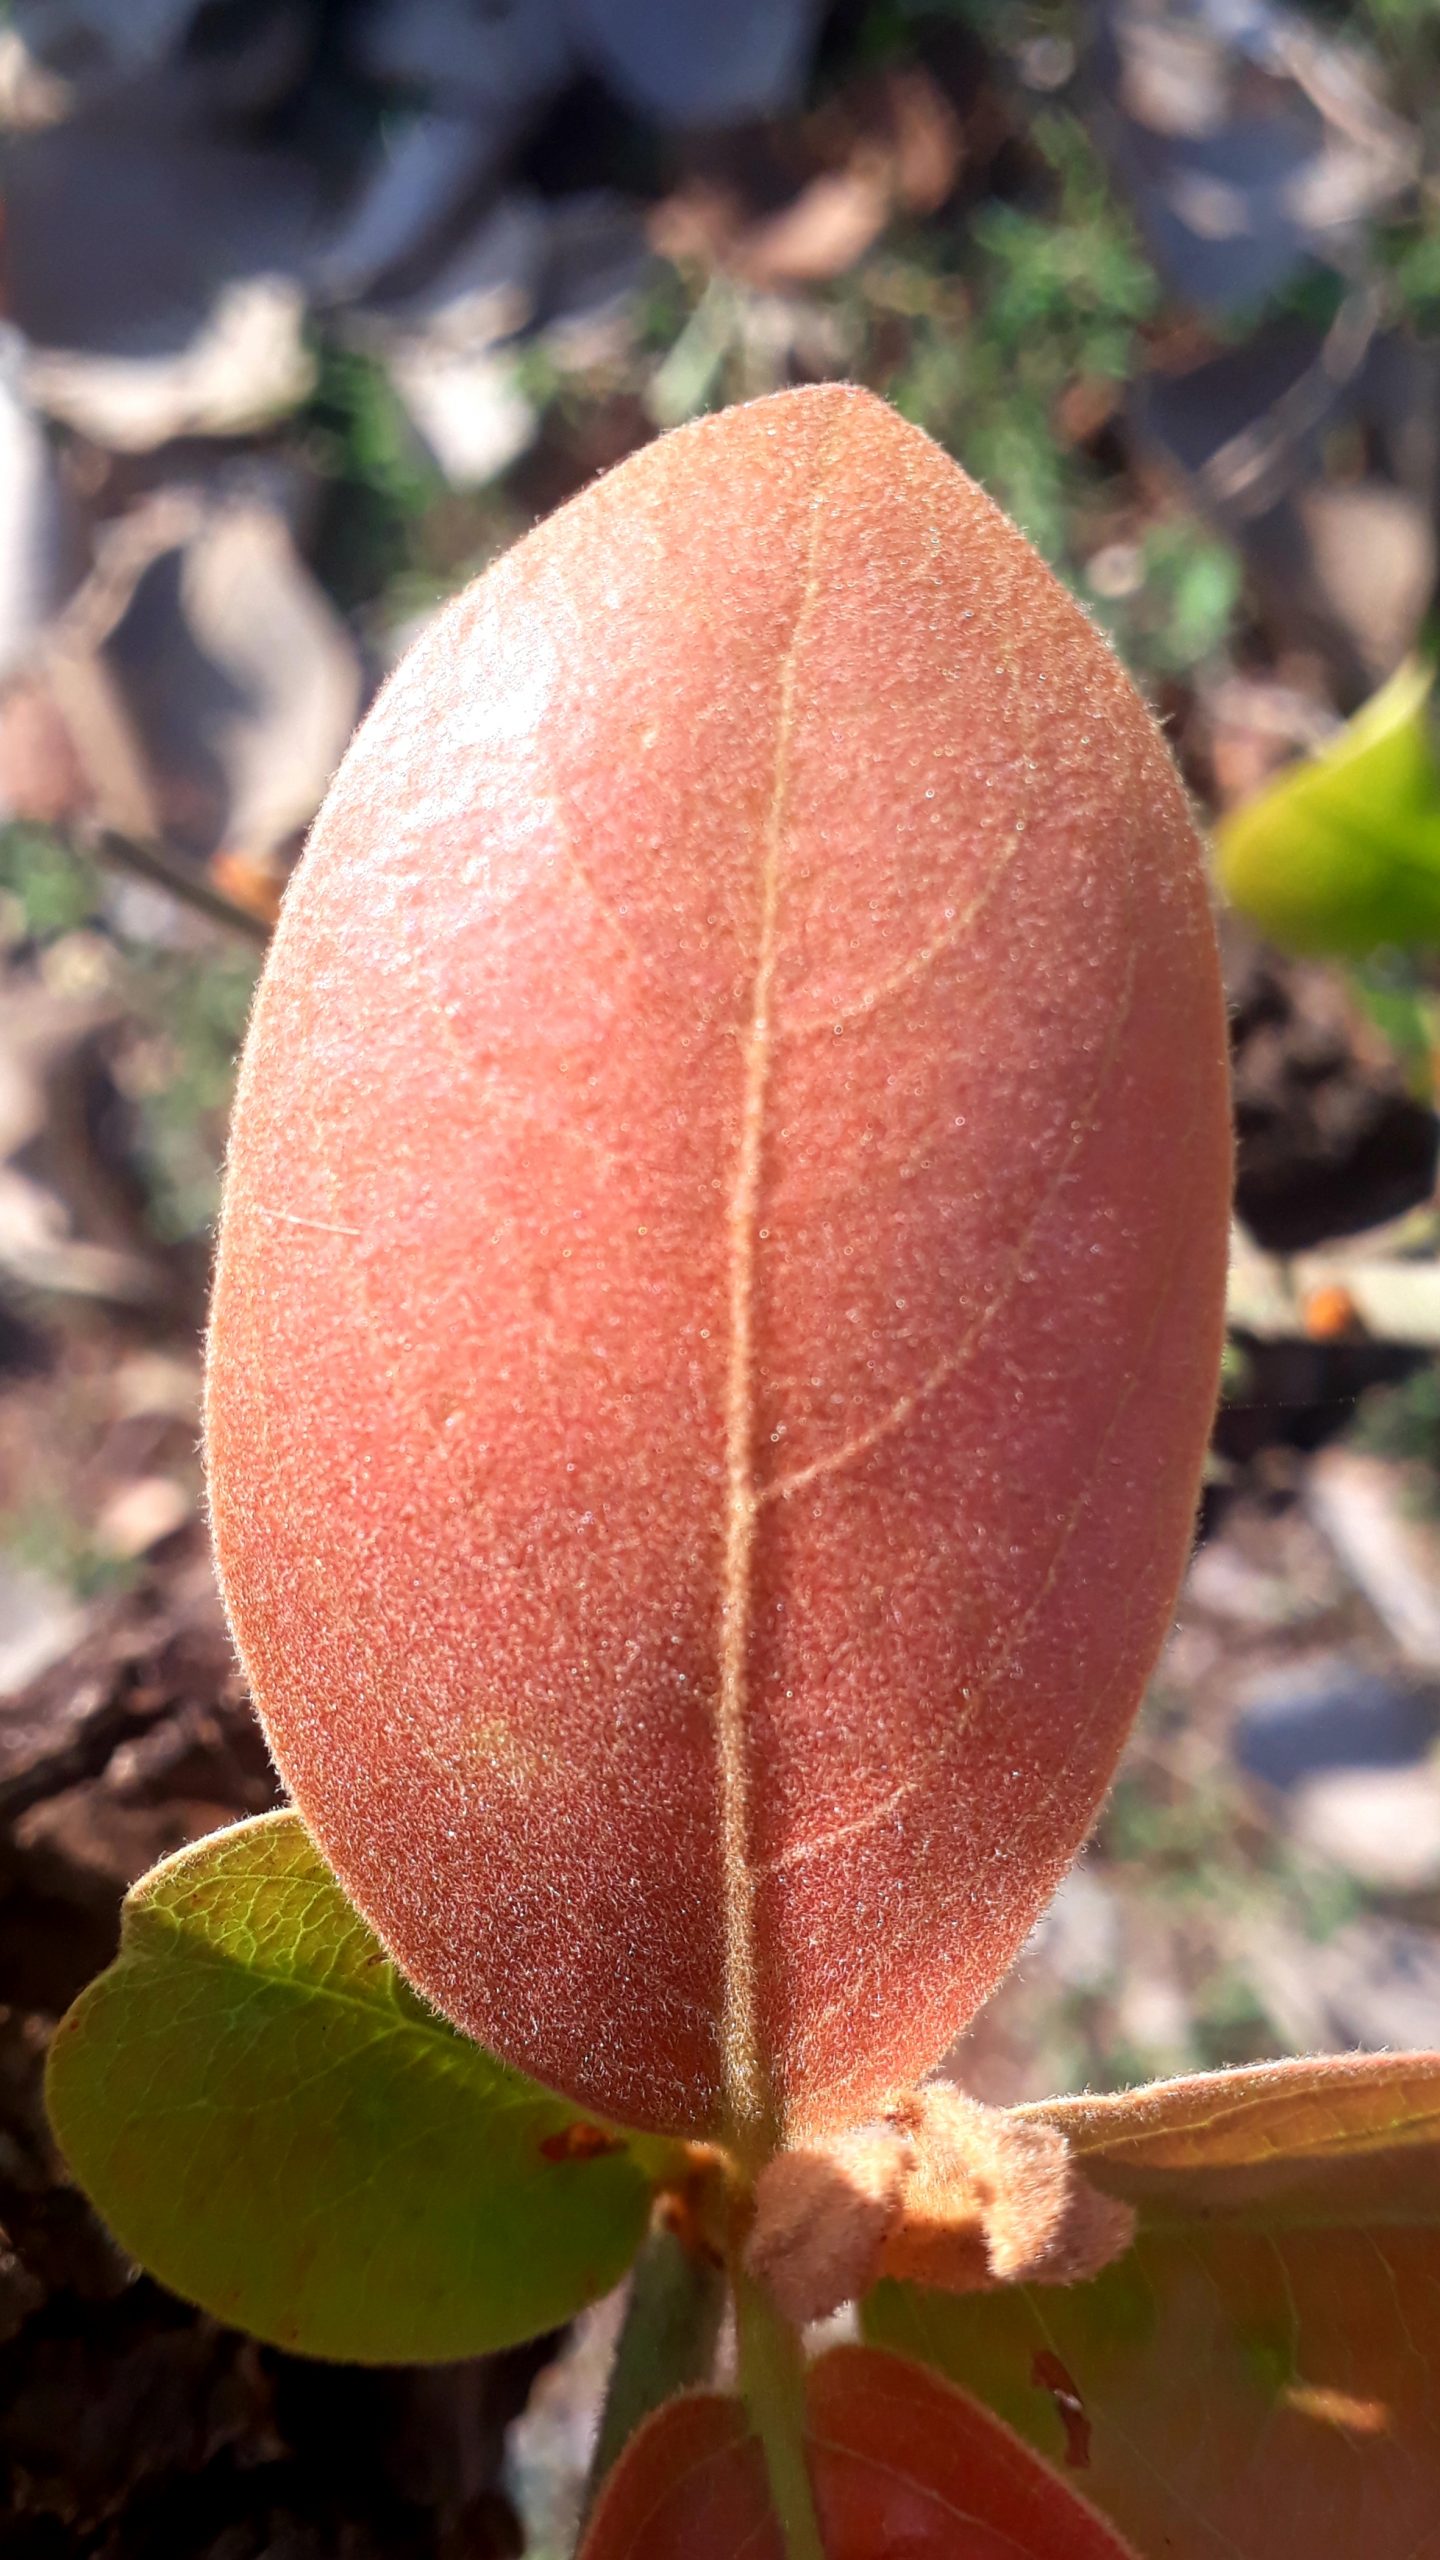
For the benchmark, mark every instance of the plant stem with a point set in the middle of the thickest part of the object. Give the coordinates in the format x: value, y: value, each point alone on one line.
x: 187, y: 885
x: 772, y: 2383
x: 666, y: 2344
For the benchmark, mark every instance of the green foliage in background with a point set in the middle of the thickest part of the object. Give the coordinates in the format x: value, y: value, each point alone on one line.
x: 1341, y: 854
x: 1055, y: 296
x: 185, y: 998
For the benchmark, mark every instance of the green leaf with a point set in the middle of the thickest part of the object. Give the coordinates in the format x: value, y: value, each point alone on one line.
x: 274, y: 2125
x: 1342, y: 852
x: 1259, y: 2377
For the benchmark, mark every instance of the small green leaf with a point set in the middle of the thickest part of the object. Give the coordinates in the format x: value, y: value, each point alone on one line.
x: 272, y: 2123
x: 1342, y: 852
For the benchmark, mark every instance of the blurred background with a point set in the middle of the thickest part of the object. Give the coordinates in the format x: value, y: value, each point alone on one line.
x: 310, y: 307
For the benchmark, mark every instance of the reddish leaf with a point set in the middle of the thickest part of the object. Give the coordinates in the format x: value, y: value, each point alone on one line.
x: 1260, y: 2376
x: 902, y: 2464
x: 720, y: 1294
x: 691, y: 2483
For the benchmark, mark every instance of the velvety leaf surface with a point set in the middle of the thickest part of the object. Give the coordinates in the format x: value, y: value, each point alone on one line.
x: 273, y: 2125
x: 1259, y: 2378
x: 1318, y: 2136
x: 902, y: 2465
x: 1342, y: 851
x: 719, y: 1302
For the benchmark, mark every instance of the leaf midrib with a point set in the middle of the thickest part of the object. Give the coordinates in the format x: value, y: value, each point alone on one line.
x: 749, y: 2098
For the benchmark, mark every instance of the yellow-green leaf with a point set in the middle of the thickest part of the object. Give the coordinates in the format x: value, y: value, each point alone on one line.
x: 276, y: 2127
x: 1342, y: 852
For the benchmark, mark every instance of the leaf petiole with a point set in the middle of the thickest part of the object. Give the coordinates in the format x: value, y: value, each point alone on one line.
x: 772, y: 2384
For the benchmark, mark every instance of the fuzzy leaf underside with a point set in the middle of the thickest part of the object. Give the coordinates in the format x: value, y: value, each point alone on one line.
x: 720, y: 1289
x: 275, y: 2126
